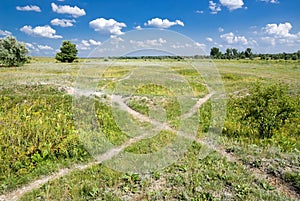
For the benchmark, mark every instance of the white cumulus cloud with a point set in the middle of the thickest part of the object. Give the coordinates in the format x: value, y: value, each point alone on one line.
x: 66, y: 9
x: 115, y: 40
x: 271, y: 1
x: 280, y: 33
x: 4, y: 33
x: 232, y: 4
x: 29, y: 8
x: 86, y: 44
x: 214, y: 7
x: 93, y: 42
x: 148, y: 43
x: 138, y: 27
x: 209, y: 39
x: 199, y: 11
x: 30, y: 46
x: 110, y: 26
x: 163, y: 23
x: 281, y: 30
x: 230, y: 38
x: 62, y: 22
x: 41, y: 31
x: 220, y: 29
x: 200, y: 45
x: 45, y: 47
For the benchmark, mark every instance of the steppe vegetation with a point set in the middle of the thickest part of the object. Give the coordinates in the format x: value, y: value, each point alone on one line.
x: 255, y: 158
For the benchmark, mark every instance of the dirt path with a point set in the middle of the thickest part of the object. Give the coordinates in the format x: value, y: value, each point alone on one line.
x: 15, y: 195
x: 257, y: 173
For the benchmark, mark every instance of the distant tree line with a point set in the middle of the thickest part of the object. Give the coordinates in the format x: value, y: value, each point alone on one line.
x: 233, y: 53
x: 150, y: 57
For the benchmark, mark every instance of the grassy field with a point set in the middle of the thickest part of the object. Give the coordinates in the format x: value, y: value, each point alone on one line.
x: 44, y: 129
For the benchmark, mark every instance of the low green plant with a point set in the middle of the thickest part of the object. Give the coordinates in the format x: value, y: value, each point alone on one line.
x: 37, y: 134
x: 190, y: 178
x: 263, y: 112
x: 12, y: 52
x: 294, y: 178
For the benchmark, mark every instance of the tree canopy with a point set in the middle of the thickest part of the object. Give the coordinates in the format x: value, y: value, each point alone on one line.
x: 12, y: 52
x: 232, y: 53
x: 266, y: 109
x: 215, y: 53
x: 68, y: 52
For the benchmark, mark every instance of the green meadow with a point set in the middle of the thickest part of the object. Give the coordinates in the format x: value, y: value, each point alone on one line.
x: 45, y: 113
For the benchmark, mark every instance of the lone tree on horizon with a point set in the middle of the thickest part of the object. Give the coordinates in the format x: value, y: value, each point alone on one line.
x: 68, y: 52
x: 12, y: 52
x: 215, y: 53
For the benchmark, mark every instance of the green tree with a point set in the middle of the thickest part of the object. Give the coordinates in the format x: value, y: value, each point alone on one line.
x: 248, y: 53
x: 294, y: 56
x: 266, y: 109
x: 229, y: 53
x: 215, y: 53
x: 68, y: 52
x: 242, y: 55
x: 235, y: 53
x: 12, y: 52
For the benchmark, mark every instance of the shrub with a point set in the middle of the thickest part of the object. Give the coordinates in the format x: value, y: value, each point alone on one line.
x: 12, y: 52
x: 68, y: 52
x: 265, y: 110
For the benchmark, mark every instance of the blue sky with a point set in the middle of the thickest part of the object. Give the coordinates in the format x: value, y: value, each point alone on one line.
x: 264, y: 25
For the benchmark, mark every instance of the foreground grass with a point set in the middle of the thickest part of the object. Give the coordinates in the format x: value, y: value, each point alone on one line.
x: 190, y: 178
x: 37, y: 134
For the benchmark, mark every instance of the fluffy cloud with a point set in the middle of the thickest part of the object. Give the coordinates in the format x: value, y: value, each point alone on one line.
x: 271, y: 1
x: 30, y: 46
x: 45, y: 47
x: 93, y: 42
x: 214, y: 7
x: 186, y: 46
x: 200, y: 45
x: 4, y: 33
x: 209, y: 39
x: 62, y: 22
x: 232, y: 4
x: 86, y: 44
x: 199, y: 11
x: 110, y: 26
x: 220, y: 29
x: 138, y: 27
x: 115, y: 40
x: 36, y: 48
x: 41, y: 31
x: 66, y: 9
x: 280, y: 30
x: 157, y: 22
x: 29, y: 8
x: 280, y: 33
x: 230, y: 38
x: 148, y: 43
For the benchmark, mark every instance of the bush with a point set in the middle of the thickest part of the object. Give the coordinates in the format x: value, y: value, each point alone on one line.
x: 264, y: 111
x: 68, y: 52
x: 12, y: 52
